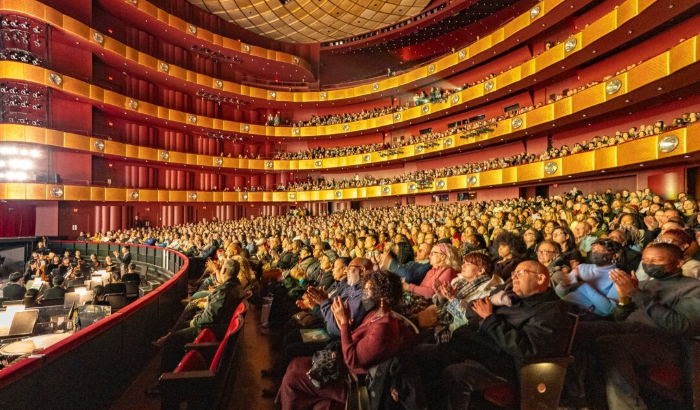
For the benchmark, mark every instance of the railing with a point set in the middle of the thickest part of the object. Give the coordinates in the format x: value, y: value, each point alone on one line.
x: 93, y: 367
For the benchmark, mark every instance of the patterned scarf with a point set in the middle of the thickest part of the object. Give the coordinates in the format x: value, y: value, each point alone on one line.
x: 464, y: 290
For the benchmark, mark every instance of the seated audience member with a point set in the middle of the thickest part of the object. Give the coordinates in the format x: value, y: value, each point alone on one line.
x: 525, y: 321
x: 115, y: 284
x: 57, y: 291
x: 549, y: 254
x: 583, y: 237
x: 566, y: 240
x: 401, y: 261
x: 475, y: 281
x: 380, y: 337
x: 445, y: 262
x: 589, y: 285
x: 511, y: 251
x: 131, y: 275
x: 627, y: 237
x: 98, y: 296
x: 474, y: 243
x: 681, y: 239
x: 532, y: 238
x: 649, y: 320
x: 79, y: 280
x: 219, y: 308
x: 14, y: 289
x: 31, y: 299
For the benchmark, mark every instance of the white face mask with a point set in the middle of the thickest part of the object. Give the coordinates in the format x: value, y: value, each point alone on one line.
x: 353, y: 277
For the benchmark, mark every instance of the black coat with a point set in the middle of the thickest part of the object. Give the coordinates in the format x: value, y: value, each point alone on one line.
x: 13, y: 291
x: 55, y: 292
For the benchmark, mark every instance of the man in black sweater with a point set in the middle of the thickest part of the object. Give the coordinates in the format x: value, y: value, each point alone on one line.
x: 124, y: 259
x: 526, y: 321
x: 650, y: 319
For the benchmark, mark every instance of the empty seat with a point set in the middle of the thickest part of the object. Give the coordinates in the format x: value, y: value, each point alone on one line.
x: 116, y: 300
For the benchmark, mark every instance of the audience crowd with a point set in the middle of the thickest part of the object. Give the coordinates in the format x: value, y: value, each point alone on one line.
x: 461, y: 293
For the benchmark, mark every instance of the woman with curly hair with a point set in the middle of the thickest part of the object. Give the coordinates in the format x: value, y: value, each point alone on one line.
x: 381, y: 336
x: 444, y: 260
x: 511, y: 251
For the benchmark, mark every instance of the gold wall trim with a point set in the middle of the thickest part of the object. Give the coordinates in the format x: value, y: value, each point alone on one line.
x: 643, y: 74
x: 42, y: 12
x: 645, y: 150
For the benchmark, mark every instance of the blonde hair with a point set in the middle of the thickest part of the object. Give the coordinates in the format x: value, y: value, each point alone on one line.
x: 452, y: 258
x: 245, y: 274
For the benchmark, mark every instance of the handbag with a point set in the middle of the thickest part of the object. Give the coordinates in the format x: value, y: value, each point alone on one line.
x: 428, y: 317
x: 326, y: 365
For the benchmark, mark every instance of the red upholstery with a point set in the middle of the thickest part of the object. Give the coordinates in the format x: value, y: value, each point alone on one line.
x: 205, y: 336
x: 240, y: 309
x: 501, y: 395
x: 234, y: 323
x: 667, y: 376
x: 192, y: 361
x: 248, y: 294
x: 219, y: 354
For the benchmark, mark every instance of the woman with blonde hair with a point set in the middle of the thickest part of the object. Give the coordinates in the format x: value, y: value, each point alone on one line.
x: 245, y: 275
x: 445, y: 262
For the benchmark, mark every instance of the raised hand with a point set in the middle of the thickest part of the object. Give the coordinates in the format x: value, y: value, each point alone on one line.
x: 483, y: 307
x: 624, y: 283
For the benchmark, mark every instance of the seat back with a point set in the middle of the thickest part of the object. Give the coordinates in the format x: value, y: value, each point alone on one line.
x: 241, y: 309
x: 192, y: 361
x: 227, y: 348
x: 205, y: 336
x: 406, y: 321
x: 116, y: 300
x: 52, y: 302
x: 132, y: 289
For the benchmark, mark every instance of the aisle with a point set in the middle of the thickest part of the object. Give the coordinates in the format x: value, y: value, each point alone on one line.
x: 254, y: 355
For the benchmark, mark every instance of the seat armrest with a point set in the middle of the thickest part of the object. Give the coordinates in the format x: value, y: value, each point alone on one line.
x: 208, y: 350
x: 542, y: 381
x: 194, y: 389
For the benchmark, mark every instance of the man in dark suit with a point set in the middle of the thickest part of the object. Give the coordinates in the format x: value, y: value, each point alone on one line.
x: 57, y: 291
x: 115, y: 285
x: 124, y: 259
x: 14, y: 289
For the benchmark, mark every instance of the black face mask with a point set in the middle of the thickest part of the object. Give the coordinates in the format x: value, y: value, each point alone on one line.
x: 657, y: 271
x: 468, y: 247
x: 600, y: 258
x: 368, y: 303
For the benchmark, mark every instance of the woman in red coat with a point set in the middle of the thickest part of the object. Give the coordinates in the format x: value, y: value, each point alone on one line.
x: 381, y: 336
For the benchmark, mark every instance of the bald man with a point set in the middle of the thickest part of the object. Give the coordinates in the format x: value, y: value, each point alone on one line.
x: 523, y: 321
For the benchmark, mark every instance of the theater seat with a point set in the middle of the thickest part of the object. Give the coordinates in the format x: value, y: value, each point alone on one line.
x: 679, y: 383
x: 191, y: 362
x: 541, y: 382
x: 205, y: 336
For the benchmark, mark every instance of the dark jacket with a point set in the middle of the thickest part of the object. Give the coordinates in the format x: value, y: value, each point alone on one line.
x: 535, y: 326
x: 221, y: 303
x: 131, y: 277
x: 115, y: 288
x: 54, y: 293
x: 124, y: 259
x: 287, y: 260
x: 401, y: 374
x: 13, y: 291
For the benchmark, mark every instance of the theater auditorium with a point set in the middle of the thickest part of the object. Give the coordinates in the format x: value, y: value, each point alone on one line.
x: 349, y: 204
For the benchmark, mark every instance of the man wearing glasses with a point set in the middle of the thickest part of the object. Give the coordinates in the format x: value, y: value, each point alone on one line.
x: 527, y: 320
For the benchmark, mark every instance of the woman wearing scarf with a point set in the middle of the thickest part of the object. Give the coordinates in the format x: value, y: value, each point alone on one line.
x: 475, y: 281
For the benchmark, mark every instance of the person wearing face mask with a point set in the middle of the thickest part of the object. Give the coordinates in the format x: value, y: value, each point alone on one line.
x: 650, y: 317
x: 401, y: 261
x: 381, y: 336
x: 681, y: 239
x: 588, y: 285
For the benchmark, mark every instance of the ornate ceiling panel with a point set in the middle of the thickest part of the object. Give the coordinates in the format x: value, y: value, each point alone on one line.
x: 311, y: 21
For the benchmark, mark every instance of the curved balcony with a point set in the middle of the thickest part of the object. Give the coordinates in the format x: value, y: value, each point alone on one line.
x: 520, y: 27
x: 114, y: 345
x: 654, y: 150
x: 671, y: 70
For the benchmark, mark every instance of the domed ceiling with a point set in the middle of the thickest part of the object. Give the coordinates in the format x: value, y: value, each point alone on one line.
x: 312, y: 21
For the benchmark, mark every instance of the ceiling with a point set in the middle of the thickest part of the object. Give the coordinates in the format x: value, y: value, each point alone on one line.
x: 312, y: 21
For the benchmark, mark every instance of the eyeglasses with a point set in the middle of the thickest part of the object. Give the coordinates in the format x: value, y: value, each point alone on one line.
x: 545, y: 252
x: 436, y: 253
x: 520, y: 273
x: 354, y: 267
x: 667, y: 240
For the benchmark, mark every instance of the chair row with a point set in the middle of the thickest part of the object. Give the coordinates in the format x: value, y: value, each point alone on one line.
x: 204, y: 377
